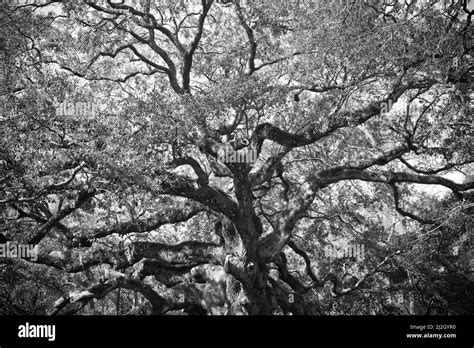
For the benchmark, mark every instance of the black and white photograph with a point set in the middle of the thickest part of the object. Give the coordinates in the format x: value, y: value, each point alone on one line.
x: 161, y: 159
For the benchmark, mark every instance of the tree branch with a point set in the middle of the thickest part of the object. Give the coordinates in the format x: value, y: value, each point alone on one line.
x: 83, y: 196
x: 171, y: 215
x: 99, y: 291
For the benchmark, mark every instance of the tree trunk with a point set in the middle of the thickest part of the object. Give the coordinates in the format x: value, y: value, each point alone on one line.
x: 248, y: 269
x: 117, y: 302
x: 259, y: 303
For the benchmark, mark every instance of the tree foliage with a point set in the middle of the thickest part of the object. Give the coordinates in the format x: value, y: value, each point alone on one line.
x: 115, y: 116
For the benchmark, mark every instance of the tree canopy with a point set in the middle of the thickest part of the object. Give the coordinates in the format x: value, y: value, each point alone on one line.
x: 127, y: 128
